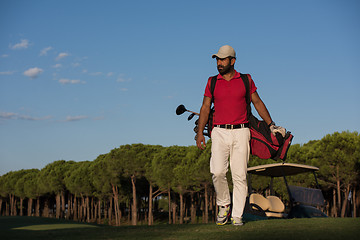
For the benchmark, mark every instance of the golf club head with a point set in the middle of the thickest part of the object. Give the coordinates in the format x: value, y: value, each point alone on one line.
x: 180, y: 109
x: 191, y: 116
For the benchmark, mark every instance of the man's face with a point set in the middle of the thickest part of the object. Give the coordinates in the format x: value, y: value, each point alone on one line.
x: 224, y: 65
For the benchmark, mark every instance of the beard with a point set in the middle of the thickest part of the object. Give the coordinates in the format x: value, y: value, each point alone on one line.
x: 225, y: 69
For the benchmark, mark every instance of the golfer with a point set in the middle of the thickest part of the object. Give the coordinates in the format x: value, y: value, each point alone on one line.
x: 230, y: 136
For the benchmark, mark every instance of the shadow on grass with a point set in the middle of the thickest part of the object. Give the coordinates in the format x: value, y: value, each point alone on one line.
x: 294, y: 229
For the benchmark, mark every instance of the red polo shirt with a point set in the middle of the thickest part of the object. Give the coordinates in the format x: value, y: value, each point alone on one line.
x: 229, y: 99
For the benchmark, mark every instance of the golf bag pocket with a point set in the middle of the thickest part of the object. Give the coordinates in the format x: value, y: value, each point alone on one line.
x: 264, y: 144
x: 260, y: 146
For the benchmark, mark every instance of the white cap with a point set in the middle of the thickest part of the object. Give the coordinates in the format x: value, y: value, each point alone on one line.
x: 224, y: 52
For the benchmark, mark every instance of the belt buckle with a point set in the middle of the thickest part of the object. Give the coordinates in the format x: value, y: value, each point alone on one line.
x: 229, y: 126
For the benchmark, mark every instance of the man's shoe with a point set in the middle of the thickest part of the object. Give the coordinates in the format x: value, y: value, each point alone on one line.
x: 223, y: 215
x: 236, y: 221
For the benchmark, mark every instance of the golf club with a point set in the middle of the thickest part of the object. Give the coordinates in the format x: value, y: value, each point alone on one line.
x: 181, y: 109
x: 191, y: 116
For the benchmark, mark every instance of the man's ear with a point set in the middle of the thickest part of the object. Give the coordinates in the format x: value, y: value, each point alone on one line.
x: 233, y: 60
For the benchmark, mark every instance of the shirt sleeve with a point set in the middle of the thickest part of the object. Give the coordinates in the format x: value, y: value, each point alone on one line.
x: 252, y: 85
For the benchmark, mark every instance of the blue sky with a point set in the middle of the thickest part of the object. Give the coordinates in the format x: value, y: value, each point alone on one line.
x: 79, y: 78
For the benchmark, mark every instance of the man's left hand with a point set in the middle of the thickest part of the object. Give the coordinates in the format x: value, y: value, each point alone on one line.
x: 277, y: 129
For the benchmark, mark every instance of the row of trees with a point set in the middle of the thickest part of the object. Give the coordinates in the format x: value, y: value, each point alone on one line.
x: 139, y: 182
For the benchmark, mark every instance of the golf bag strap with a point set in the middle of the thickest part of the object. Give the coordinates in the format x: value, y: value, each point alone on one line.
x: 245, y: 79
x: 212, y: 87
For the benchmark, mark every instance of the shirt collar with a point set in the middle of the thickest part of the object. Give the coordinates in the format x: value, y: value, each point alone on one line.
x: 237, y: 75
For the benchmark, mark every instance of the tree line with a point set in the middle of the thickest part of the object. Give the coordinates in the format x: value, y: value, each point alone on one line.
x: 140, y: 183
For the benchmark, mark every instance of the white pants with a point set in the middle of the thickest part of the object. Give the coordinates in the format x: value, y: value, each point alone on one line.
x: 233, y: 143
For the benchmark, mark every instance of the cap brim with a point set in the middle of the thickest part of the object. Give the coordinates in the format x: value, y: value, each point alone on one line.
x: 221, y: 56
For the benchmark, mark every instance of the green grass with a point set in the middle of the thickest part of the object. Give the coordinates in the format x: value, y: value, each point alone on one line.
x: 293, y: 229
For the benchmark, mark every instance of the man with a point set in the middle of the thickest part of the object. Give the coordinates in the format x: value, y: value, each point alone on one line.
x: 231, y: 134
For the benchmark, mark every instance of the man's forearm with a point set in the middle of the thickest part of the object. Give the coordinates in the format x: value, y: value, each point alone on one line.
x: 263, y: 112
x: 203, y: 118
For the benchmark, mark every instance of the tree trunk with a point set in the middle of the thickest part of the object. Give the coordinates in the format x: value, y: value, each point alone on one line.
x: 116, y: 204
x: 7, y: 209
x: 134, y: 203
x: 1, y: 202
x: 79, y: 209
x: 174, y: 212
x: 83, y: 208
x: 192, y: 209
x: 87, y: 206
x: 69, y: 208
x: 76, y: 218
x: 106, y: 209
x: 12, y: 205
x: 63, y: 207
x: 99, y: 212
x: 21, y: 206
x: 181, y: 208
x: 334, y: 211
x: 344, y: 206
x: 58, y: 205
x: 30, y: 206
x: 37, y: 207
x: 150, y: 217
x: 206, y: 207
x: 117, y: 210
x: 169, y: 202
x: 354, y: 202
x: 15, y: 206
x: 338, y: 189
x: 95, y: 211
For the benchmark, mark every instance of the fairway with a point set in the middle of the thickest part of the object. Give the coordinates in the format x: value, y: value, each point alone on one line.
x: 46, y: 228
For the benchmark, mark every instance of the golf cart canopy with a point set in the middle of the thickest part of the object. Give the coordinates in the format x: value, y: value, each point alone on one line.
x: 281, y: 169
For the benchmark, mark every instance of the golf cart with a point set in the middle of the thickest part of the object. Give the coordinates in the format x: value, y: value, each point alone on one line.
x: 303, y: 202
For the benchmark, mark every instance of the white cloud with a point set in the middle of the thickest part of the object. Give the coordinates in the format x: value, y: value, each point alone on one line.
x: 110, y: 74
x: 4, y: 55
x: 61, y: 56
x: 69, y: 81
x: 45, y: 50
x: 24, y: 43
x: 7, y: 115
x: 7, y: 73
x: 122, y: 79
x: 58, y: 65
x: 16, y: 116
x: 33, y: 72
x: 75, y: 118
x: 124, y: 89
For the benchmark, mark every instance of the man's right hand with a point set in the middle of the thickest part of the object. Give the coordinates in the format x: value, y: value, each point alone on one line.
x: 200, y: 141
x: 203, y: 118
